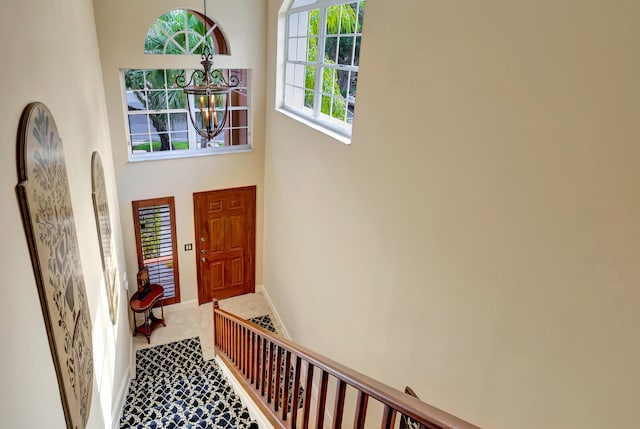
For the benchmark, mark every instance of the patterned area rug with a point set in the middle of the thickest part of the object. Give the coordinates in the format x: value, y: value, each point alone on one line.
x: 175, y: 388
x: 264, y: 322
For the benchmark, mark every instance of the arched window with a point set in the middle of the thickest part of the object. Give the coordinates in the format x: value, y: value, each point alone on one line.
x: 183, y: 32
x: 322, y: 57
x: 157, y: 108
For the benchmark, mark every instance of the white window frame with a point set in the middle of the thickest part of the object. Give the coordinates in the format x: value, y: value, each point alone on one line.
x: 192, y: 136
x: 314, y: 117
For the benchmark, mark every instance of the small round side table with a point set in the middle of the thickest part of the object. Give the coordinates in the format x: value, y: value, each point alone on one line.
x: 145, y: 305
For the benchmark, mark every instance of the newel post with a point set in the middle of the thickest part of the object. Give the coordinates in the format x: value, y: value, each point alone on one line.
x: 216, y: 334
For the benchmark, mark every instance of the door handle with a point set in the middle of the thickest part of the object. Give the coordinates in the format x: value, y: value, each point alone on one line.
x: 203, y: 259
x: 203, y: 251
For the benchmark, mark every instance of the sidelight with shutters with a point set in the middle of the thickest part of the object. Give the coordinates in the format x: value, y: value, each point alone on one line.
x: 155, y: 230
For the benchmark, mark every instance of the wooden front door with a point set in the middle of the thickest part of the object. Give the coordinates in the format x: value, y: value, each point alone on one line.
x: 225, y: 224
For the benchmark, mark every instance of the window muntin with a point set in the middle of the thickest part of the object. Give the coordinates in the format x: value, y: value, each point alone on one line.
x: 322, y: 86
x: 184, y: 31
x: 155, y: 229
x: 157, y: 115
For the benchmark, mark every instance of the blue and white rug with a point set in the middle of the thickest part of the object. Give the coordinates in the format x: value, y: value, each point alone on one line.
x: 176, y: 388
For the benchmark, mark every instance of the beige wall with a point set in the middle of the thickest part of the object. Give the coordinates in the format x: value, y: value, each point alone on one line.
x: 479, y: 238
x: 122, y: 26
x: 50, y: 55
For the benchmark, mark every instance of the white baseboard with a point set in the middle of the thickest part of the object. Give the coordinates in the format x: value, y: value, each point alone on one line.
x: 121, y: 397
x: 274, y: 311
x: 254, y: 411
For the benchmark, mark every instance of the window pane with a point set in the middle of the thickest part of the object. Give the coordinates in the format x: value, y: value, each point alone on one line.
x: 314, y: 22
x: 298, y: 98
x: 178, y: 121
x: 157, y: 100
x: 154, y: 79
x: 293, y: 25
x: 360, y: 17
x: 133, y: 79
x: 176, y: 99
x: 172, y: 75
x: 289, y: 74
x: 138, y: 124
x: 310, y: 77
x: 343, y: 77
x: 302, y: 49
x: 349, y: 18
x: 135, y: 100
x: 325, y: 105
x: 288, y: 95
x: 239, y: 97
x: 312, y: 49
x: 303, y: 23
x: 238, y: 118
x: 329, y: 81
x: 345, y: 51
x: 339, y: 108
x: 291, y: 53
x: 179, y: 141
x: 300, y: 75
x: 158, y: 122
x: 140, y: 142
x: 331, y: 50
x: 356, y: 56
x: 308, y: 99
x: 333, y: 20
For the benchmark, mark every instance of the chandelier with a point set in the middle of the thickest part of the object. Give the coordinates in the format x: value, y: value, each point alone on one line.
x: 211, y: 89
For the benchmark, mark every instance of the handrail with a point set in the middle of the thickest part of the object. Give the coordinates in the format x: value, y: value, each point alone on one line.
x: 257, y: 354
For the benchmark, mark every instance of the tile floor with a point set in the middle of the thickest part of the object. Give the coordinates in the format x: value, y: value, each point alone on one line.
x: 197, y: 321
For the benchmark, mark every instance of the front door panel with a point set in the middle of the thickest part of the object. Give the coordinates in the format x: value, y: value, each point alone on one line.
x: 225, y: 233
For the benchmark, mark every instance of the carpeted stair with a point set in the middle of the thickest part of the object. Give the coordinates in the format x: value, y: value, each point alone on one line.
x: 176, y: 388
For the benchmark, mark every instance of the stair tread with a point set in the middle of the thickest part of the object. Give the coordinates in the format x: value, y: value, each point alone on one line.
x: 175, y: 388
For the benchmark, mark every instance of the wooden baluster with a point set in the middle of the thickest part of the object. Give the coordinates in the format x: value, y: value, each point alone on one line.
x: 361, y: 410
x: 322, y: 400
x: 237, y: 341
x: 388, y: 418
x: 216, y: 325
x: 259, y: 364
x: 251, y: 356
x: 270, y: 372
x: 296, y: 393
x: 233, y: 342
x: 285, y: 385
x: 307, y: 396
x: 226, y: 336
x: 243, y: 346
x: 338, y: 411
x: 276, y: 402
x: 265, y: 368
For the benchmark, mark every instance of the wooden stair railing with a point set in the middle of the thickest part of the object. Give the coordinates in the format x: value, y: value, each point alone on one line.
x: 271, y: 370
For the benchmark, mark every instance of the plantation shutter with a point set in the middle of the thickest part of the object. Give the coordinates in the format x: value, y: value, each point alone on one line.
x: 155, y: 238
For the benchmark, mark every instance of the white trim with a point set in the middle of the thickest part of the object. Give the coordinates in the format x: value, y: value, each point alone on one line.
x: 121, y: 397
x: 254, y: 411
x: 276, y: 315
x: 173, y: 154
x: 315, y: 125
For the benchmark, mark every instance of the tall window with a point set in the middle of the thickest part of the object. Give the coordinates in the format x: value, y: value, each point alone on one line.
x: 157, y: 112
x: 158, y: 116
x: 155, y: 229
x: 323, y: 39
